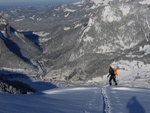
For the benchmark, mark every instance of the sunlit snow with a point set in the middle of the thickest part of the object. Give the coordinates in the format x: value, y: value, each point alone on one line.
x: 67, y: 15
x: 96, y: 99
x: 66, y: 28
x: 145, y: 2
x: 77, y: 25
x: 41, y: 34
x: 101, y: 2
x: 146, y: 49
x: 17, y: 20
x: 125, y: 9
x: 69, y: 10
x: 109, y: 15
x: 88, y: 39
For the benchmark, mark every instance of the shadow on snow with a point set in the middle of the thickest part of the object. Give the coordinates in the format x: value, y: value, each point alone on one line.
x: 134, y: 106
x: 39, y: 86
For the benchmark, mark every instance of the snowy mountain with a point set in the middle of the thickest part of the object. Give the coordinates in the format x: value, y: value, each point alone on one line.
x: 75, y: 45
x: 81, y: 40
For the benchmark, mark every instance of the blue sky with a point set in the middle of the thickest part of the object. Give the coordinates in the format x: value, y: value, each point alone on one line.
x: 34, y: 2
x: 24, y: 1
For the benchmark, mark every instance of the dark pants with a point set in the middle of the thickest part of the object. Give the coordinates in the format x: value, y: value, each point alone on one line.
x: 112, y: 78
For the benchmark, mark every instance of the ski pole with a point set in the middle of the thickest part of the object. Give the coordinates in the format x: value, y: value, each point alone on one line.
x: 107, y: 81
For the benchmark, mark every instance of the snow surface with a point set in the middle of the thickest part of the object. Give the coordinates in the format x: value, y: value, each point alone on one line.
x: 130, y: 73
x: 77, y: 25
x: 41, y: 33
x: 125, y: 9
x: 133, y: 73
x: 88, y: 39
x: 67, y: 14
x: 94, y: 99
x: 146, y: 49
x: 66, y: 28
x: 102, y: 2
x: 145, y: 2
x: 69, y: 10
x: 109, y: 15
x: 3, y: 21
x: 17, y: 20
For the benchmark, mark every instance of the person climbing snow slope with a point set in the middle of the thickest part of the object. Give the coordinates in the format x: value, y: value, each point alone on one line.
x: 112, y: 73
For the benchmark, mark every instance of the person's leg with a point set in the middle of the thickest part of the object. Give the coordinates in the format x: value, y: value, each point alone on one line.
x: 114, y: 79
x: 110, y: 79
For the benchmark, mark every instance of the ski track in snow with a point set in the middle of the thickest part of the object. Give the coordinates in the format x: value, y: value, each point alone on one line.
x: 105, y: 100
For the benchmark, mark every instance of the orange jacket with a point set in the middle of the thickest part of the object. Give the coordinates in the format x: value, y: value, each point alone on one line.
x: 115, y: 71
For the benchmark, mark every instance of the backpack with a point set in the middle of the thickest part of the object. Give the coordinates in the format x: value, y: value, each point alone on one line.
x: 115, y: 71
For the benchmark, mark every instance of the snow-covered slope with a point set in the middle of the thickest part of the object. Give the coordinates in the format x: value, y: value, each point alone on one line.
x: 79, y: 100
